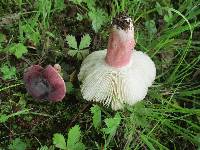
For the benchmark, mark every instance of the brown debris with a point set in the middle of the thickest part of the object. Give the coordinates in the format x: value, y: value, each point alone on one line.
x: 121, y: 21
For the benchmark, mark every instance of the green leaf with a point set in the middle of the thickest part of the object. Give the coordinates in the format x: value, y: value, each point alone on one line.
x: 73, y: 141
x: 112, y: 124
x: 44, y: 10
x: 8, y: 72
x: 140, y: 115
x: 3, y: 118
x: 79, y: 17
x: 59, y: 141
x: 96, y: 118
x: 71, y: 41
x: 72, y: 52
x: 79, y: 56
x: 151, y: 26
x: 85, y: 42
x: 98, y: 17
x: 78, y: 2
x: 159, y: 8
x: 70, y: 87
x: 43, y: 148
x: 168, y: 17
x: 17, y: 144
x: 147, y: 142
x: 2, y: 38
x: 17, y: 49
x: 84, y: 53
x: 29, y: 29
x: 59, y: 4
x: 90, y: 4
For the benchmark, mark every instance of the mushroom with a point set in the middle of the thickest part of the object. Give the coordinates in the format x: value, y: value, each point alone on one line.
x: 119, y: 74
x: 45, y: 83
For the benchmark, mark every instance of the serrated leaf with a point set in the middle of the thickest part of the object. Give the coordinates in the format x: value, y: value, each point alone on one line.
x: 84, y: 53
x: 59, y: 141
x: 85, y: 42
x: 112, y: 124
x: 79, y: 56
x: 8, y: 72
x: 3, y: 118
x: 96, y: 118
x: 72, y: 52
x: 71, y: 41
x: 43, y: 148
x: 79, y: 146
x: 98, y: 17
x: 73, y: 136
x: 17, y: 49
x: 73, y: 141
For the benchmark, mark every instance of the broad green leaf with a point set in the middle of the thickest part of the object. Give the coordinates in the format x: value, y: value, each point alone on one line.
x: 96, y: 118
x: 8, y: 72
x: 85, y: 42
x: 73, y: 141
x: 17, y: 144
x: 3, y: 118
x: 84, y: 53
x: 59, y: 141
x: 71, y: 41
x: 79, y: 146
x: 112, y: 124
x: 79, y: 56
x: 98, y: 17
x: 73, y: 136
x: 72, y: 52
x: 17, y: 49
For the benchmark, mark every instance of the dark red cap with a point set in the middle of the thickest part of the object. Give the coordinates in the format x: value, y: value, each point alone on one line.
x: 44, y: 83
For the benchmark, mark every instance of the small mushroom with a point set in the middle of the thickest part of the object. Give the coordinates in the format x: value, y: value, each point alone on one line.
x: 45, y: 83
x: 118, y: 75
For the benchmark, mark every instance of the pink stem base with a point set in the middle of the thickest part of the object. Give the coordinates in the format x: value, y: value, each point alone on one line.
x: 119, y: 51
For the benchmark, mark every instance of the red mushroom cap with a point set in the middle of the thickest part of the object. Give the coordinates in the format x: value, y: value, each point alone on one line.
x: 44, y: 83
x: 56, y: 82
